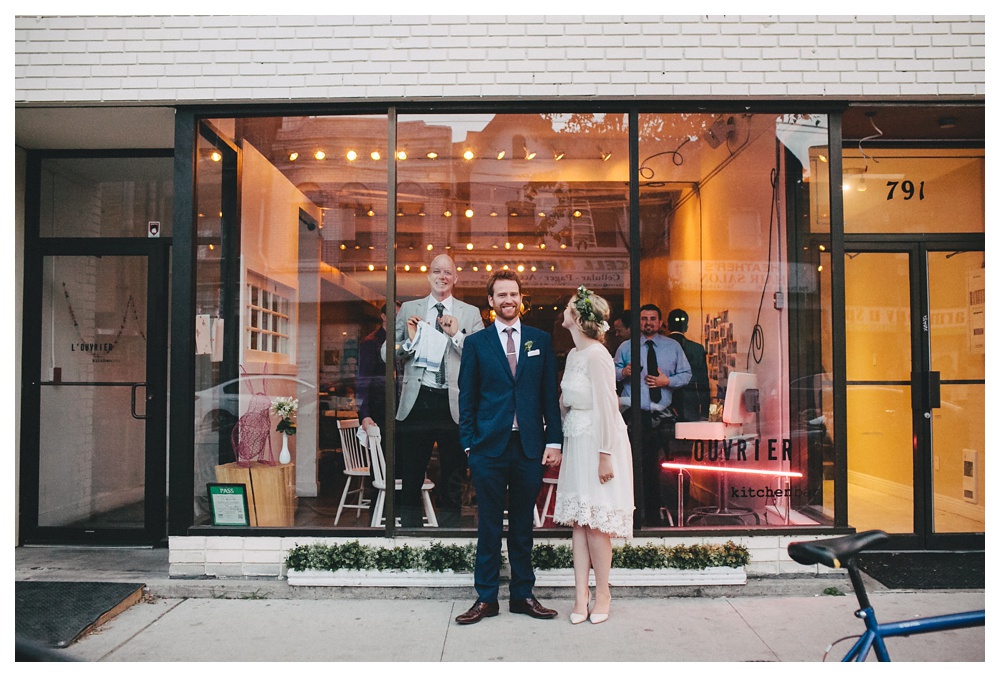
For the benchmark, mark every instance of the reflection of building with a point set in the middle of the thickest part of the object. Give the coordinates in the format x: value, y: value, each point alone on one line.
x: 827, y: 230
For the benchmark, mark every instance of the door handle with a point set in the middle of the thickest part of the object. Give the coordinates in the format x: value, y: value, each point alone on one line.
x: 135, y: 387
x: 933, y: 389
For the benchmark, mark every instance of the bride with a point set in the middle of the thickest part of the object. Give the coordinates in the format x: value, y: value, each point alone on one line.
x: 595, y: 481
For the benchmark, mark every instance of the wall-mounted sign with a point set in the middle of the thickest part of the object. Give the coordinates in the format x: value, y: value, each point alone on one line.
x: 229, y: 505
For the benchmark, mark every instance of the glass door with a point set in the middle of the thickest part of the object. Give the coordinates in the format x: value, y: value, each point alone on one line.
x: 957, y: 333
x: 915, y: 339
x: 99, y: 395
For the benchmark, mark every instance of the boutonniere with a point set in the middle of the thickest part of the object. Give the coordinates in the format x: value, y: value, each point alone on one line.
x: 528, y: 344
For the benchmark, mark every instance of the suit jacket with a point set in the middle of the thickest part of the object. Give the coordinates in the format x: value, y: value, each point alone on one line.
x: 469, y: 322
x: 489, y: 394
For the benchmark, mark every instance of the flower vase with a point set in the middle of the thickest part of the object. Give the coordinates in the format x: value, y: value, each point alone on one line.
x: 285, y: 457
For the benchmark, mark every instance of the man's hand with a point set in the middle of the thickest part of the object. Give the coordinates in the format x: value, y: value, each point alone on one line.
x: 627, y: 370
x: 449, y: 323
x: 659, y: 381
x: 552, y: 456
x: 411, y: 325
x: 367, y: 423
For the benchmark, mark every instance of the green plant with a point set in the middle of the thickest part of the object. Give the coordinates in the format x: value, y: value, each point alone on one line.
x: 440, y: 557
x: 834, y: 591
x: 547, y: 556
x: 402, y: 557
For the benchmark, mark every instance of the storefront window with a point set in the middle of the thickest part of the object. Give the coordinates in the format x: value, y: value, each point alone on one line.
x: 544, y: 195
x: 293, y: 244
x: 741, y: 430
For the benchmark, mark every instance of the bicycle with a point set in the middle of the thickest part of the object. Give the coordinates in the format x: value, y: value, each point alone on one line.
x: 841, y: 552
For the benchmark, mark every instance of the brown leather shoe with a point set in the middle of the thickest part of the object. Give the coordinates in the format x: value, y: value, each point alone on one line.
x: 531, y: 607
x: 478, y: 612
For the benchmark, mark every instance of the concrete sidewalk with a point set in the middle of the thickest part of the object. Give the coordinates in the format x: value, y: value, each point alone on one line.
x: 260, y: 620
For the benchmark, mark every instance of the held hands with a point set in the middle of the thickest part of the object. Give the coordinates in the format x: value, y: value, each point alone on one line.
x: 604, y: 469
x: 552, y: 457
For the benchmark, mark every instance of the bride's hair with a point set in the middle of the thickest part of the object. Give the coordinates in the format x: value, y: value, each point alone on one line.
x: 591, y: 312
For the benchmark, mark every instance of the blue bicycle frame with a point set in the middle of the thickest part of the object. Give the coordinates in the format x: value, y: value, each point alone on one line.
x: 841, y: 552
x: 875, y: 633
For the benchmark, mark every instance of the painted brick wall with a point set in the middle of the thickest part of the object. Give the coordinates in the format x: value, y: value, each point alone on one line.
x: 148, y: 60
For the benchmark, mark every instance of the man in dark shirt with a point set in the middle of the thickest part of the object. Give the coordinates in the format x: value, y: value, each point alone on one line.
x: 690, y: 402
x: 371, y: 379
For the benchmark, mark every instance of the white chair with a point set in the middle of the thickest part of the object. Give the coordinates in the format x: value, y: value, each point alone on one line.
x: 552, y: 482
x: 378, y: 467
x: 356, y: 464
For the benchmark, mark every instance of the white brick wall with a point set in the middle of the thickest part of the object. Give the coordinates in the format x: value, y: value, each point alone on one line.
x: 202, y: 59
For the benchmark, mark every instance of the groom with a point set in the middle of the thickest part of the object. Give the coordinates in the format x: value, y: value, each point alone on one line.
x: 509, y: 425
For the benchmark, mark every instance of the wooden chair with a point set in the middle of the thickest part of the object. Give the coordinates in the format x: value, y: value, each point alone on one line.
x: 356, y: 465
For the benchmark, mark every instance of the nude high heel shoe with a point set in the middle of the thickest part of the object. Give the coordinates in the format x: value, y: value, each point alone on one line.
x: 599, y: 618
x: 576, y: 619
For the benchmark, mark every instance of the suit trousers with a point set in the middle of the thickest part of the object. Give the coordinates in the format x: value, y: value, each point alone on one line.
x: 519, y: 478
x: 657, y: 439
x: 430, y: 422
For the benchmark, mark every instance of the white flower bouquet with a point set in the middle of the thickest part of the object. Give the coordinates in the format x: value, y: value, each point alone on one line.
x: 285, y: 408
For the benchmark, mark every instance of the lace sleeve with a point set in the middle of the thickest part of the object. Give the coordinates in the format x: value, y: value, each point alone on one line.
x: 606, y: 414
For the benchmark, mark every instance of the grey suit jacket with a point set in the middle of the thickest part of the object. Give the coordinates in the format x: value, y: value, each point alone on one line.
x: 469, y: 321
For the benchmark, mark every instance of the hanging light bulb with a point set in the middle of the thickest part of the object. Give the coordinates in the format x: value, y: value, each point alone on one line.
x: 468, y: 154
x: 501, y: 154
x: 351, y: 156
x: 432, y: 155
x: 376, y: 155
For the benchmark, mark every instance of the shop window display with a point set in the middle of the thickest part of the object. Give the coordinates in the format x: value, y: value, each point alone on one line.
x: 546, y: 195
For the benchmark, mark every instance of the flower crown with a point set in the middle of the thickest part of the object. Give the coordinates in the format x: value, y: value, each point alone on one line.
x: 585, y: 308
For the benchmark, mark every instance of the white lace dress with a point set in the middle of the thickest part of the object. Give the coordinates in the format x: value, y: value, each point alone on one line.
x: 592, y: 423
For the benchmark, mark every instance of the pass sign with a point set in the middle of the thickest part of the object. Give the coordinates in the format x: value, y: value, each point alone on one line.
x: 229, y: 505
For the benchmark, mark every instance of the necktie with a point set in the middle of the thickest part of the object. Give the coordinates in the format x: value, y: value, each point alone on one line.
x: 440, y: 375
x: 511, y: 350
x: 512, y: 359
x: 652, y: 370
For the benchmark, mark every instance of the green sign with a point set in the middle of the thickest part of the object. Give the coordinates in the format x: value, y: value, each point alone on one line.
x: 229, y: 505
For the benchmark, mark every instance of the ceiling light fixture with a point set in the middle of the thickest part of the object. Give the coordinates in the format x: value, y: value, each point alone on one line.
x: 469, y: 213
x: 432, y: 155
x: 351, y: 156
x: 293, y: 156
x: 376, y: 155
x: 501, y: 154
x: 468, y: 154
x: 401, y: 155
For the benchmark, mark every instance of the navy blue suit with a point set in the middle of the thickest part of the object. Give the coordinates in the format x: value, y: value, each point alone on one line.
x: 501, y: 461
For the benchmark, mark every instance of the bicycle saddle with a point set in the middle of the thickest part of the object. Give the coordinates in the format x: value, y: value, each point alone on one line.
x: 833, y: 552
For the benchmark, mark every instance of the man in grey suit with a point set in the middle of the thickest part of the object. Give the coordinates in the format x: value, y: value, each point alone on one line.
x: 428, y: 403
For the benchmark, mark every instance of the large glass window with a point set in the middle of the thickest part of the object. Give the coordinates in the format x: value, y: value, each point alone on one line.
x: 543, y: 195
x: 293, y: 273
x: 728, y: 265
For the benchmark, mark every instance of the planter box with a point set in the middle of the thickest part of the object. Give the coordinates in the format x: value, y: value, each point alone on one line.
x: 385, y: 579
x: 544, y: 578
x: 650, y: 577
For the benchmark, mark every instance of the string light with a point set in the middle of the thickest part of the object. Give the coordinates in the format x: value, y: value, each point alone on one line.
x: 351, y: 156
